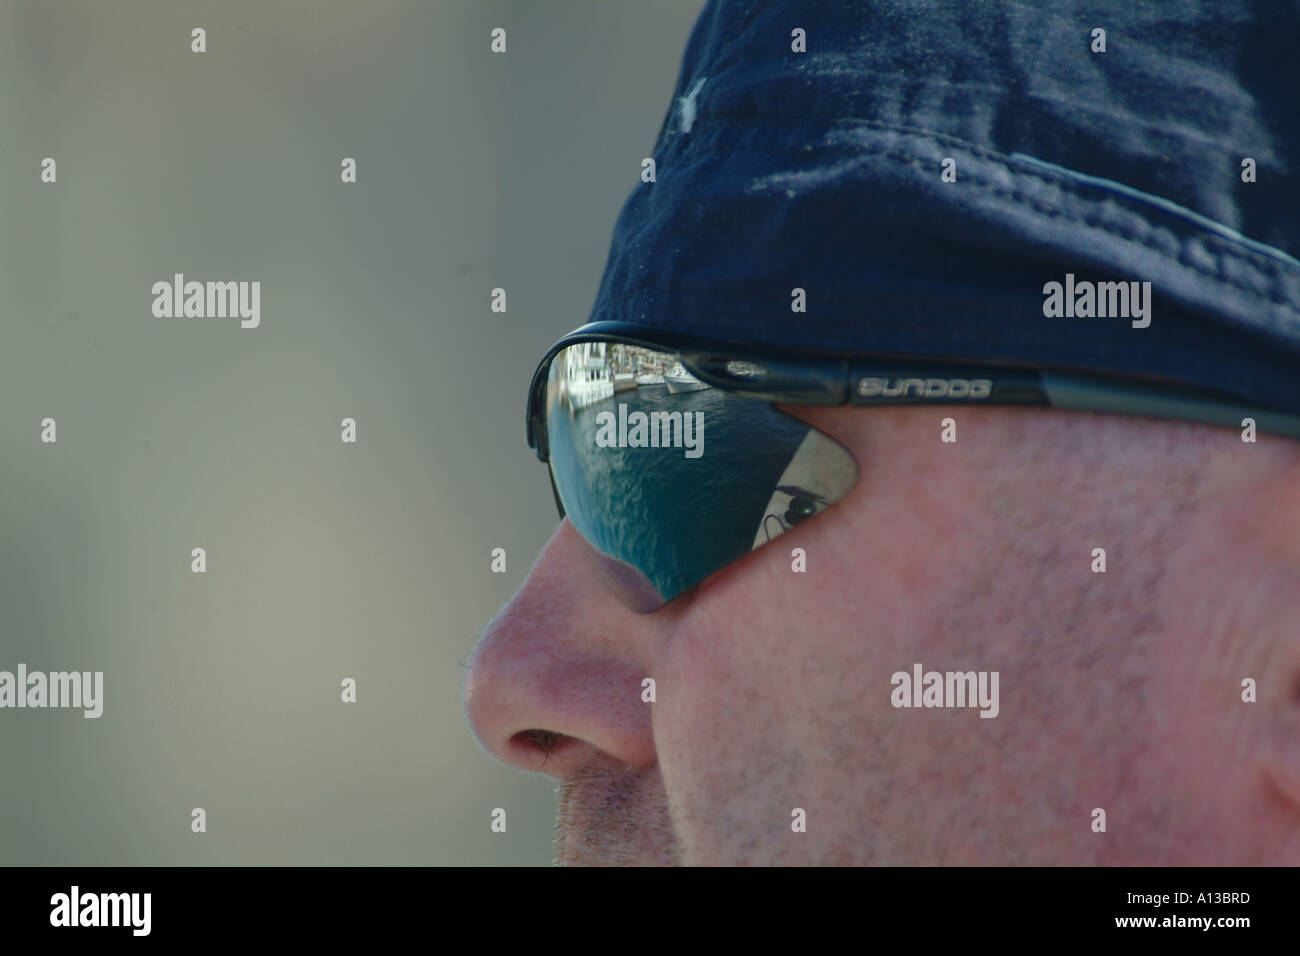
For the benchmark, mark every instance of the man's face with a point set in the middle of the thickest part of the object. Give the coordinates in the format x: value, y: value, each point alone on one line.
x: 1118, y: 691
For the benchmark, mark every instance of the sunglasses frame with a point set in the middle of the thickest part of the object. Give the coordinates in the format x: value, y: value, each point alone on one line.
x: 811, y: 377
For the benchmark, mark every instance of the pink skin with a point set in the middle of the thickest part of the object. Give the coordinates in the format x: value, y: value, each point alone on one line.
x: 1119, y: 691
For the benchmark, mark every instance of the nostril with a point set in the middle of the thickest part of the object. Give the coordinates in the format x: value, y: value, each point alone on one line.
x: 543, y: 741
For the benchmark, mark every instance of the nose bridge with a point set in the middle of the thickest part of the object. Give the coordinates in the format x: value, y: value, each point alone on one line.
x: 565, y: 657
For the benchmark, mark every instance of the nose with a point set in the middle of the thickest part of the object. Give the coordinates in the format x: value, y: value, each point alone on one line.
x: 555, y: 682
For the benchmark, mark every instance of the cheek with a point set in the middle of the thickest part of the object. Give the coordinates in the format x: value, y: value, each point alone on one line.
x: 715, y: 698
x: 751, y: 687
x: 751, y: 650
x: 722, y: 742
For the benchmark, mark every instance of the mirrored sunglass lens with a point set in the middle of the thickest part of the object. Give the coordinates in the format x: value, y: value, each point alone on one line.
x: 671, y: 479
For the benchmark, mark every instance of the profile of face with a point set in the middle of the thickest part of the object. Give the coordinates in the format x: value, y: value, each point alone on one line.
x: 1147, y: 713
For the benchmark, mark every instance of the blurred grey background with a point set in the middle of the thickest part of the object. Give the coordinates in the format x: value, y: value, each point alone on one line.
x: 325, y: 560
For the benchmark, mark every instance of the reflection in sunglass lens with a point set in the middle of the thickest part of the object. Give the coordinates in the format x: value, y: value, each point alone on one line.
x: 671, y: 479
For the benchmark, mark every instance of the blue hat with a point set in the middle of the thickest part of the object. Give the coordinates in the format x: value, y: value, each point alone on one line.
x: 924, y: 171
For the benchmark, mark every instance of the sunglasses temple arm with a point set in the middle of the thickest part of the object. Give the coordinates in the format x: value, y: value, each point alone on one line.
x: 1084, y: 394
x: 559, y: 505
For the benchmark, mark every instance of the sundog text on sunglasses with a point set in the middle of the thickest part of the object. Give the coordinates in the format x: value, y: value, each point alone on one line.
x: 952, y: 388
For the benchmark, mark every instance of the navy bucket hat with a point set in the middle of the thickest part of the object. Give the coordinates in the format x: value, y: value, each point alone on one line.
x: 806, y: 148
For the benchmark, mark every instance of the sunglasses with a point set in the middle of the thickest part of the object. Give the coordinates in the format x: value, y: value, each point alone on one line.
x: 667, y: 455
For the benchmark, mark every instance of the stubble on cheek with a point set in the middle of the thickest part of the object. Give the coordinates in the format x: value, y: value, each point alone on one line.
x: 612, y: 817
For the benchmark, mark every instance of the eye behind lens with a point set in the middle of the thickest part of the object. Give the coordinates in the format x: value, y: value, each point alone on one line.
x: 801, y: 507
